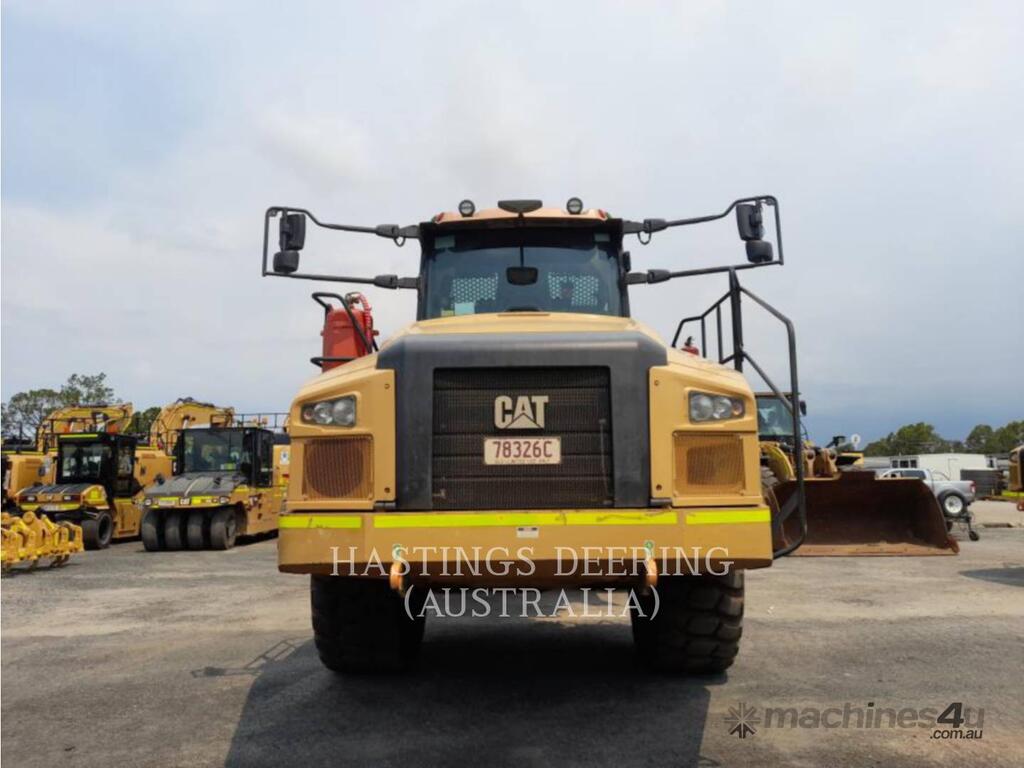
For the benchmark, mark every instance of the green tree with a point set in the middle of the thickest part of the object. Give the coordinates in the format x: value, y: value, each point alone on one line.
x: 87, y: 390
x: 979, y: 440
x: 1008, y: 437
x: 143, y: 420
x: 25, y: 411
x: 911, y: 438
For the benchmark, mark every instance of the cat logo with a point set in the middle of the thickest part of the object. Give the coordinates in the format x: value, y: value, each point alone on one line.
x: 525, y: 412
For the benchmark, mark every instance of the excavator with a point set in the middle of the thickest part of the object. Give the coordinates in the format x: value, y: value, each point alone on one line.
x: 849, y: 510
x: 98, y: 475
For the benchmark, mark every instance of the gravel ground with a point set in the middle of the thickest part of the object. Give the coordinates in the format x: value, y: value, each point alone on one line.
x: 130, y: 658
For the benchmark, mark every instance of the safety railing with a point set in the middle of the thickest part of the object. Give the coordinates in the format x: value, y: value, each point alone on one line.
x: 732, y: 302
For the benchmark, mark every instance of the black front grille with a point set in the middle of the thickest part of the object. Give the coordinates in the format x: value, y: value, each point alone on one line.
x: 578, y: 411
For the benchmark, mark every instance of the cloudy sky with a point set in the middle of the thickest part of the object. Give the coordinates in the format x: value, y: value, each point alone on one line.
x: 142, y: 141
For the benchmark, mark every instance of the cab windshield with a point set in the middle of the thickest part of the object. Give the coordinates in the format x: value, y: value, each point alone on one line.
x: 523, y: 270
x: 773, y: 418
x: 205, y: 450
x: 83, y: 462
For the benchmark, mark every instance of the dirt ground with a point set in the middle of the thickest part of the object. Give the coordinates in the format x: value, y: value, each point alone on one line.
x: 193, y: 659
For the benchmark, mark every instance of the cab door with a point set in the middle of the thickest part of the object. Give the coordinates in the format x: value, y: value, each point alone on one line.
x: 126, y: 514
x: 270, y: 495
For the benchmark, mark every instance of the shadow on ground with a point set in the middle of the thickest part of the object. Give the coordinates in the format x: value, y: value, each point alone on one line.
x: 504, y: 692
x: 1012, y: 575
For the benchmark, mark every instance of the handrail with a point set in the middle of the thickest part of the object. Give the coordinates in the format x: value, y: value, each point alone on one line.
x: 797, y: 502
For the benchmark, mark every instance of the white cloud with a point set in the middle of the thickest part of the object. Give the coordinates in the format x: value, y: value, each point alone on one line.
x: 890, y: 135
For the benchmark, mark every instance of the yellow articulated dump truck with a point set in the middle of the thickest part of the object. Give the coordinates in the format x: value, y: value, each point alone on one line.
x: 229, y: 481
x: 525, y: 416
x: 32, y: 463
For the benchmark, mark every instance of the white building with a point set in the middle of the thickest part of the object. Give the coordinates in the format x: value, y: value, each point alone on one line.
x: 948, y: 464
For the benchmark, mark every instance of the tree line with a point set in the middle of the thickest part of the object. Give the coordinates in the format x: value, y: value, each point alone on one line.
x: 23, y: 412
x: 923, y: 438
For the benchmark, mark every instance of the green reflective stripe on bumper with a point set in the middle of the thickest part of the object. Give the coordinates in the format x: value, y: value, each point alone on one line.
x: 319, y: 521
x: 519, y: 519
x: 727, y: 516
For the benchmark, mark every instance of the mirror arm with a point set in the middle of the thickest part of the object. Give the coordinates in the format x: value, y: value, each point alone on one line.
x: 649, y: 226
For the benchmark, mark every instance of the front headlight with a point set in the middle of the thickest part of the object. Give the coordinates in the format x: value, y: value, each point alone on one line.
x: 147, y: 502
x: 707, y: 407
x: 223, y: 500
x: 340, y: 412
x: 30, y: 498
x: 67, y: 497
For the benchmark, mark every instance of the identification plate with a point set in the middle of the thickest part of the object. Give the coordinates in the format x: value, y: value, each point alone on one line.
x: 523, y: 450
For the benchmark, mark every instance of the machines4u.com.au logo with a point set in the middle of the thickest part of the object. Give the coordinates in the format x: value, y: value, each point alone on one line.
x: 955, y: 721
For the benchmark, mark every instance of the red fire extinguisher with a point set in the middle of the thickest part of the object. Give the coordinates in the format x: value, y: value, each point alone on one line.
x: 348, y: 330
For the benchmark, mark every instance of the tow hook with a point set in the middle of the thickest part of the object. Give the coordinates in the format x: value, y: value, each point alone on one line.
x: 650, y: 569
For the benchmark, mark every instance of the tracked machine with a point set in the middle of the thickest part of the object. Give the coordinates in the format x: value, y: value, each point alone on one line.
x: 526, y: 412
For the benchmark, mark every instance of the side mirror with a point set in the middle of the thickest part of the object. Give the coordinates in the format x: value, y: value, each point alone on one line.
x: 748, y: 222
x: 758, y: 252
x: 803, y: 407
x: 286, y: 262
x: 627, y: 261
x: 292, y: 231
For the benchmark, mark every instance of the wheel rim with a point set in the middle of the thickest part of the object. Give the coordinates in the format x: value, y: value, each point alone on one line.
x: 954, y: 505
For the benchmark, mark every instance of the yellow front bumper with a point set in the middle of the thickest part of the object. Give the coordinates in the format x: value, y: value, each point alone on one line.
x: 556, y: 542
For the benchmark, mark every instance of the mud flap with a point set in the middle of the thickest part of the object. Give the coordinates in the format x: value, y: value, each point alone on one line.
x: 857, y: 515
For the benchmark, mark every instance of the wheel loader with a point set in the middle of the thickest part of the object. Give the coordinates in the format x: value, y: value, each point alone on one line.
x: 229, y: 481
x: 32, y: 463
x: 525, y: 412
x: 849, y: 510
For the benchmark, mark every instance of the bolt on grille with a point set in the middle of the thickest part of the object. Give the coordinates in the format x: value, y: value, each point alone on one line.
x: 578, y: 411
x: 707, y: 464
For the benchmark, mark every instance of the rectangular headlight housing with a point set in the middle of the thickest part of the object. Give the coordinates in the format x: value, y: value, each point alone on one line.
x: 705, y: 407
x: 339, y: 412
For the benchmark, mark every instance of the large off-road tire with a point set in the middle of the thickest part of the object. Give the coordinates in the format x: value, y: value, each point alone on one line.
x: 195, y: 530
x: 697, y: 627
x: 174, y: 530
x: 152, y: 531
x: 97, y: 534
x: 361, y: 625
x: 223, y: 529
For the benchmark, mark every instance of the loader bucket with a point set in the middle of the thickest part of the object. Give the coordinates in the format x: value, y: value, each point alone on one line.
x: 855, y: 514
